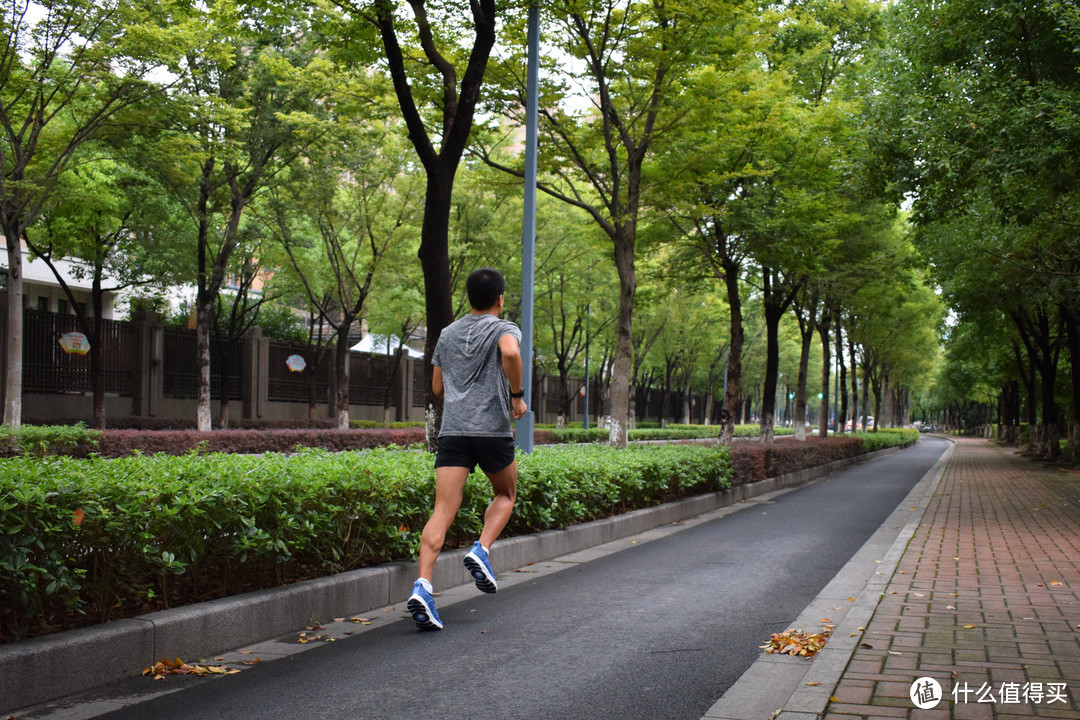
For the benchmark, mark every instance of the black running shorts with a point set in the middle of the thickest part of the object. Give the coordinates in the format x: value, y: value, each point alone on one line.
x: 492, y: 454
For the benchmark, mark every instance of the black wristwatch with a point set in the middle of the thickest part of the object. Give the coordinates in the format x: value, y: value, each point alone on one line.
x: 518, y: 394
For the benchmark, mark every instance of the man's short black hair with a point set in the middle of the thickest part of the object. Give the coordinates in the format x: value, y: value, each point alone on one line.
x: 484, y: 287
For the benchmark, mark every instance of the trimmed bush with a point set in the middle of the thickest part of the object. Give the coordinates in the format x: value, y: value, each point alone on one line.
x: 375, y: 424
x: 42, y: 440
x: 752, y: 461
x: 888, y: 437
x: 113, y: 538
x: 79, y: 442
x: 550, y: 435
x: 88, y: 540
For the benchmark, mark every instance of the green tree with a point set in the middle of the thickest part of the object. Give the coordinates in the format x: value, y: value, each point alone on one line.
x: 66, y: 76
x: 437, y: 75
x: 118, y: 230
x: 628, y: 59
x: 343, y: 216
x: 981, y: 123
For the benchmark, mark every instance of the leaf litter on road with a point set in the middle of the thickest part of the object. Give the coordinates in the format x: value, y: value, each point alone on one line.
x: 796, y: 642
x: 176, y: 666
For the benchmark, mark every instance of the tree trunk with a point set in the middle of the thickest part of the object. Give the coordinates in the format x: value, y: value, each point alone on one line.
x: 1051, y: 433
x: 776, y: 299
x: 97, y: 372
x: 865, y: 396
x: 730, y: 407
x: 341, y: 374
x: 824, y: 326
x: 203, y: 422
x: 855, y: 404
x: 440, y: 167
x: 875, y: 386
x: 393, y: 366
x: 313, y: 403
x: 687, y: 401
x: 95, y: 331
x: 806, y: 332
x: 1072, y: 332
x: 772, y: 365
x: 434, y: 254
x: 13, y: 371
x: 841, y: 416
x: 620, y: 383
x: 228, y: 348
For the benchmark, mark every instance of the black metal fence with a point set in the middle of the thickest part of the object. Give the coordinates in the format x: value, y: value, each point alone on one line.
x: 180, y: 366
x: 165, y: 367
x: 48, y: 368
x: 288, y: 385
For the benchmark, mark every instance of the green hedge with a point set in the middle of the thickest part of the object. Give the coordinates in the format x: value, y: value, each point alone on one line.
x: 113, y: 538
x: 887, y: 437
x: 41, y: 440
x: 78, y: 441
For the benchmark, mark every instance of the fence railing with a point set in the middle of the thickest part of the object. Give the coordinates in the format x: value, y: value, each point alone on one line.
x: 48, y: 368
x: 286, y: 385
x: 155, y: 366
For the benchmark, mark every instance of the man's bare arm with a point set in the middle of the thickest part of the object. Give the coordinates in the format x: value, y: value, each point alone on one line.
x: 513, y: 367
x: 436, y: 381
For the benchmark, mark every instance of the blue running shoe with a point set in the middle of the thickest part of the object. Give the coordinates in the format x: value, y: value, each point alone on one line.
x: 421, y: 606
x: 476, y: 562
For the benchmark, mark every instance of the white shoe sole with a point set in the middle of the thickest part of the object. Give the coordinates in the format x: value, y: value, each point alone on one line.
x: 424, y: 616
x: 485, y: 581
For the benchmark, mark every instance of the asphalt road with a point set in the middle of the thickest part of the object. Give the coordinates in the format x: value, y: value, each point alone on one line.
x: 659, y: 630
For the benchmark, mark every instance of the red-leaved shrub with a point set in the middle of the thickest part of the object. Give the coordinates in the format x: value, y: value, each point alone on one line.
x: 119, y: 443
x: 751, y: 461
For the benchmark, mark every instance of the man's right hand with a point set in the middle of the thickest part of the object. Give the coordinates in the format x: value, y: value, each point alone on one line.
x: 518, y: 407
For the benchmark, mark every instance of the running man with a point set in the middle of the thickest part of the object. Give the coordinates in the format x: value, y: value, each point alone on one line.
x: 478, y: 374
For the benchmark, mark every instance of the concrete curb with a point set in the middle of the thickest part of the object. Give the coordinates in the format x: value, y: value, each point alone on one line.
x: 47, y: 668
x: 790, y: 688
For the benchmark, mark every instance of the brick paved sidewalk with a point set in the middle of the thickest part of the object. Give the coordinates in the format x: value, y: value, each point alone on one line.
x: 986, y: 600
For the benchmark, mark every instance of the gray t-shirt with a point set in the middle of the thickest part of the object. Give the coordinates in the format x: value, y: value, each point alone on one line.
x: 475, y: 389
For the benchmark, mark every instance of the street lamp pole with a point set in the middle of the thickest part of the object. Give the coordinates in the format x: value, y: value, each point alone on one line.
x: 527, y: 424
x: 585, y: 420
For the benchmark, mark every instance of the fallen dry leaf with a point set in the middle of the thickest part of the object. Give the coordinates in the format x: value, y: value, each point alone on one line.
x: 176, y: 666
x: 796, y: 642
x: 78, y: 515
x: 969, y: 627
